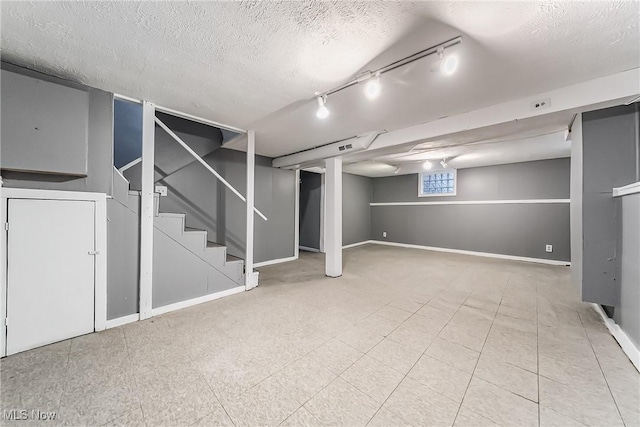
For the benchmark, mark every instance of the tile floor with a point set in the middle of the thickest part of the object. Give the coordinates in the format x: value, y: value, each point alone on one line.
x: 404, y: 337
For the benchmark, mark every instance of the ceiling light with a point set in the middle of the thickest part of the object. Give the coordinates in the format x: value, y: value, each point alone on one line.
x: 323, y: 111
x: 373, y: 88
x: 427, y: 165
x: 449, y: 65
x: 397, y: 170
x: 443, y: 163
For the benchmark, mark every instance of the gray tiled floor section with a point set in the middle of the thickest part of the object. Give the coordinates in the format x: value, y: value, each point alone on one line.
x: 404, y: 337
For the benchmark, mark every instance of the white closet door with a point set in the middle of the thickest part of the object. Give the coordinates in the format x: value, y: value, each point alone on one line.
x: 50, y: 272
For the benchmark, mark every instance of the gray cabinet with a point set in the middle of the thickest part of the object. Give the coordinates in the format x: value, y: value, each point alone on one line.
x: 44, y: 126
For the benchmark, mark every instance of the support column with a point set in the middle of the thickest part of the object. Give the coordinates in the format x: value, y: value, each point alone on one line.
x: 147, y: 210
x: 296, y: 242
x: 251, y: 280
x: 333, y: 218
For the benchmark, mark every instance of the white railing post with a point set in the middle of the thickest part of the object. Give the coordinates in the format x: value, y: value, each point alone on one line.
x: 250, y: 281
x: 147, y: 210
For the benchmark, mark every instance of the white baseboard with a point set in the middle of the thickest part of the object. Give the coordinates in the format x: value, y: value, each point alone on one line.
x: 274, y: 261
x: 632, y: 352
x: 196, y: 301
x: 474, y: 253
x: 353, y: 245
x: 305, y: 248
x: 114, y: 323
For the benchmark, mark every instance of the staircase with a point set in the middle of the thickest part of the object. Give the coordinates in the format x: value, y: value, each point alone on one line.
x: 186, y: 264
x: 172, y: 226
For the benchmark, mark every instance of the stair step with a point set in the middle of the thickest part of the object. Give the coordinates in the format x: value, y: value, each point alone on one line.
x: 171, y: 214
x: 194, y: 229
x: 214, y: 245
x: 231, y: 258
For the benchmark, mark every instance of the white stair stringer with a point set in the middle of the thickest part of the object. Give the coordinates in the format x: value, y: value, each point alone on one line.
x: 195, y: 241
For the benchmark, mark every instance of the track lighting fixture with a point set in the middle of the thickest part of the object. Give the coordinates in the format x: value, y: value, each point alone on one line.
x: 444, y: 163
x: 372, y: 89
x: 323, y: 111
x: 397, y: 170
x: 427, y: 165
x: 448, y: 64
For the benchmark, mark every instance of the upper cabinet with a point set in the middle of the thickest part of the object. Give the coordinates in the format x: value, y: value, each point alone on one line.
x: 44, y: 126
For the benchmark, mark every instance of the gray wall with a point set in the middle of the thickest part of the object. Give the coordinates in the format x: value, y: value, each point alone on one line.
x: 310, y: 205
x: 123, y: 235
x: 44, y: 126
x: 627, y: 314
x: 521, y: 230
x: 609, y: 146
x: 356, y: 211
x: 98, y: 152
x: 210, y: 206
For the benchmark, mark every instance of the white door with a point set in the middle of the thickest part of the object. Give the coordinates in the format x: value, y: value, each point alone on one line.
x: 50, y: 271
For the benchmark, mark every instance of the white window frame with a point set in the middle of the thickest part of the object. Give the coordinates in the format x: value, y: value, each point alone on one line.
x: 455, y: 183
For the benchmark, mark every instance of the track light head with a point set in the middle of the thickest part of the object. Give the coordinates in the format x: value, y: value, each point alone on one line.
x: 323, y: 111
x: 397, y: 170
x: 444, y: 163
x: 449, y: 65
x: 373, y: 88
x: 427, y: 165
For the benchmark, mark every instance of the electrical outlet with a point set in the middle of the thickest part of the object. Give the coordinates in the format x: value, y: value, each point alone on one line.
x: 384, y: 234
x: 162, y: 190
x: 549, y: 248
x: 540, y: 104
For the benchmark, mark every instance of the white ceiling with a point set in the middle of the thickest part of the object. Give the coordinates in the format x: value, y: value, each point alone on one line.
x: 256, y: 65
x: 465, y: 155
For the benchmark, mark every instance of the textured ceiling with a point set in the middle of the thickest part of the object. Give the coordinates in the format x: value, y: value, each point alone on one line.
x: 469, y: 155
x: 256, y: 65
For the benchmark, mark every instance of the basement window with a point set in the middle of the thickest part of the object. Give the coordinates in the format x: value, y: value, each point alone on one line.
x: 441, y: 183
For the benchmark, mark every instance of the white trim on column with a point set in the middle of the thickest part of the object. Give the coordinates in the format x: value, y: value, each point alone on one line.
x: 632, y: 352
x: 475, y: 202
x: 627, y: 189
x: 333, y: 218
x: 296, y: 221
x: 251, y: 280
x: 147, y: 210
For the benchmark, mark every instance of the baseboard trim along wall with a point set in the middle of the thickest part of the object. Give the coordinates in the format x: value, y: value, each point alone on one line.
x: 119, y: 321
x: 627, y: 345
x: 463, y: 252
x: 274, y: 261
x: 305, y: 248
x: 474, y: 202
x: 196, y: 301
x: 353, y: 245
